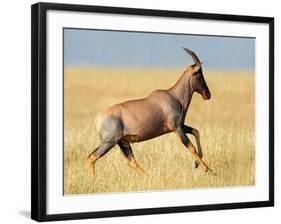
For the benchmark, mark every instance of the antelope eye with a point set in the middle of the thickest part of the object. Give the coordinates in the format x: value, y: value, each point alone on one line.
x: 199, y: 78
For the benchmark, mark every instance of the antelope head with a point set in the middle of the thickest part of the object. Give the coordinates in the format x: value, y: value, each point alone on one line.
x: 197, y: 80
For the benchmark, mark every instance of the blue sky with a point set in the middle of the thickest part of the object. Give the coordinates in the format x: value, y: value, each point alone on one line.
x: 138, y: 49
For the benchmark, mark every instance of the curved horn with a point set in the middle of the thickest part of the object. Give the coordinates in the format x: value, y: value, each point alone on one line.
x: 194, y: 56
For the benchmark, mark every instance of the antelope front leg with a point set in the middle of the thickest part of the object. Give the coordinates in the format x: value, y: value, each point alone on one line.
x: 195, y: 133
x: 185, y: 140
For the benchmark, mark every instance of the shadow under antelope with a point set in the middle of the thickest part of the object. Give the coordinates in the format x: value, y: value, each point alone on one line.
x: 163, y: 111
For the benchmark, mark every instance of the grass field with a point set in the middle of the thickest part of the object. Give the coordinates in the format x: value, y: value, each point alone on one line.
x: 226, y: 124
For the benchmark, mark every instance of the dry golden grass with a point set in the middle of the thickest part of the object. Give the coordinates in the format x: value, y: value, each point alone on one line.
x: 226, y: 124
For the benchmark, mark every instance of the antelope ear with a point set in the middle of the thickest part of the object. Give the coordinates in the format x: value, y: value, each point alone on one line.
x: 195, y: 69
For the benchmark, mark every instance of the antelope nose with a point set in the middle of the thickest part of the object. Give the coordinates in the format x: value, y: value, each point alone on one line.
x: 208, y: 95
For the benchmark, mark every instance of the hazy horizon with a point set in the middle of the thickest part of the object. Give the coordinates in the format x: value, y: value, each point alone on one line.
x: 99, y: 48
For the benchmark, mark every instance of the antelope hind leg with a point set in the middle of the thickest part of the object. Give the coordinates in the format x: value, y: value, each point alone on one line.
x: 91, y: 160
x: 128, y: 153
x: 133, y: 164
x: 96, y: 154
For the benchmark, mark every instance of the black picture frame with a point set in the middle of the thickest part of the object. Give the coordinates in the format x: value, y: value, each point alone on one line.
x: 38, y: 108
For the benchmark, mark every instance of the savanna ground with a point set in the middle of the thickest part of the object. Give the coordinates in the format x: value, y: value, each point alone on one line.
x: 226, y: 124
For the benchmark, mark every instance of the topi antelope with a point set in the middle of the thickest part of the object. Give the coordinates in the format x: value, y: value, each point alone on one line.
x: 161, y: 112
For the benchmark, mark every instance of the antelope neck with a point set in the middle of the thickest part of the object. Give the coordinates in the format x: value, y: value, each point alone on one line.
x: 182, y: 90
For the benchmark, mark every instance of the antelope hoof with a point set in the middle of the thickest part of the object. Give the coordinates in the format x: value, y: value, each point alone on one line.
x: 196, y: 164
x: 143, y: 173
x: 211, y: 172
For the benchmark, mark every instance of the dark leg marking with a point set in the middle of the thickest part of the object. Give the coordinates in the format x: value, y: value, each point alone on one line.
x: 126, y: 149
